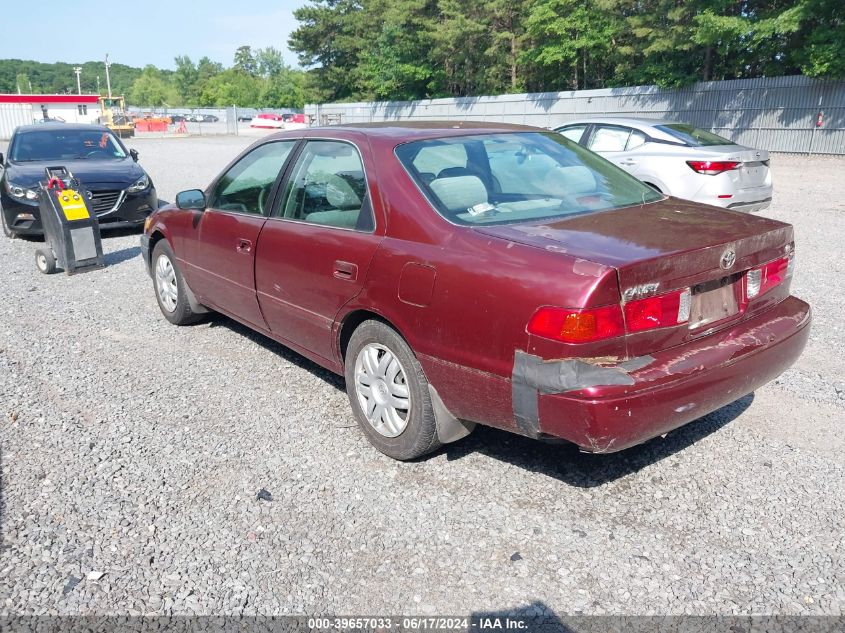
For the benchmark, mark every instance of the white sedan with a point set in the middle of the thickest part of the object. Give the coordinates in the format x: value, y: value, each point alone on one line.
x: 680, y: 160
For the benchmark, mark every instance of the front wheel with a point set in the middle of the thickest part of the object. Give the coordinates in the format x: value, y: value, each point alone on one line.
x: 170, y: 287
x: 389, y: 392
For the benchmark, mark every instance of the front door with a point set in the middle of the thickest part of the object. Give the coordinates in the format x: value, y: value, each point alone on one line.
x: 315, y: 250
x: 221, y: 264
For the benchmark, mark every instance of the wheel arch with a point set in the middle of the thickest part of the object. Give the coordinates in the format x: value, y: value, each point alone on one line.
x: 350, y: 322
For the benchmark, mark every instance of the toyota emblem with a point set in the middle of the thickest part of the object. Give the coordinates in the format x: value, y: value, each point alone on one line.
x: 728, y: 259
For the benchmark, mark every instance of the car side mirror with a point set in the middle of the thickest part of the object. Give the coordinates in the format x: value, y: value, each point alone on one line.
x: 1, y: 160
x: 191, y: 199
x: 134, y: 154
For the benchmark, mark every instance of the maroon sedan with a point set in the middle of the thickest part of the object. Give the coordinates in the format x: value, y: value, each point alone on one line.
x: 483, y: 273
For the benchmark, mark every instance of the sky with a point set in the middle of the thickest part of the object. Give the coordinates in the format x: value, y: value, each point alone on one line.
x: 151, y: 32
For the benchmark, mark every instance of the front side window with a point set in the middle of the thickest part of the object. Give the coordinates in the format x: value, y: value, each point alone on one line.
x: 692, y: 135
x: 573, y: 132
x: 327, y: 186
x: 520, y: 177
x: 245, y: 188
x: 52, y: 144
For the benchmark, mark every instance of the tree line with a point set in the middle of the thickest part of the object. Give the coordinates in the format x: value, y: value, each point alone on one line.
x: 257, y: 78
x: 410, y: 49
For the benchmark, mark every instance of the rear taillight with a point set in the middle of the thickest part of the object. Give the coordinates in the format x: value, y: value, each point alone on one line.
x: 577, y: 326
x: 758, y: 281
x: 712, y: 167
x: 595, y: 324
x: 663, y: 310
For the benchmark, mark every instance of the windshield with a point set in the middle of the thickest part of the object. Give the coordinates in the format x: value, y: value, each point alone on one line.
x: 517, y: 177
x: 693, y: 135
x: 61, y: 144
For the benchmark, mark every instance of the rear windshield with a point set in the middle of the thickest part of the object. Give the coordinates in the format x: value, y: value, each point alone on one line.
x: 60, y: 144
x: 693, y: 135
x: 517, y: 177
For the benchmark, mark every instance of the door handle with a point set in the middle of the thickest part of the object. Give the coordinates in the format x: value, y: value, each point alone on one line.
x: 345, y: 270
x: 244, y: 246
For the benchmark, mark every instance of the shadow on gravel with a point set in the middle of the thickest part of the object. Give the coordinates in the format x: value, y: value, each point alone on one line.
x: 123, y: 255
x: 123, y: 231
x: 218, y: 320
x: 566, y: 463
x: 561, y: 461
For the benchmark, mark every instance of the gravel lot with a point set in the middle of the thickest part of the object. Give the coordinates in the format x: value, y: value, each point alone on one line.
x: 132, y: 451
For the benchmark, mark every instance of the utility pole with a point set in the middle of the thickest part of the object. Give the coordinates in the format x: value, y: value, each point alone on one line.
x: 98, y: 85
x: 78, y: 71
x: 108, y: 80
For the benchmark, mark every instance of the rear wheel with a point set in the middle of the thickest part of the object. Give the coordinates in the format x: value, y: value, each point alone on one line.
x: 389, y: 392
x: 45, y: 261
x: 169, y: 287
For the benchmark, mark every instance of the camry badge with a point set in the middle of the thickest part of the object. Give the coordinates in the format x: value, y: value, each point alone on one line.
x: 728, y: 259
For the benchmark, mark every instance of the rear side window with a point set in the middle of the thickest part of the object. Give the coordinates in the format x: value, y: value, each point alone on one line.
x: 609, y: 139
x: 328, y: 187
x: 692, y: 135
x: 518, y: 177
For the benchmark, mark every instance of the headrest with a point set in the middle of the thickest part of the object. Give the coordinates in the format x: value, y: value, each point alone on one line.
x: 340, y: 195
x: 459, y: 193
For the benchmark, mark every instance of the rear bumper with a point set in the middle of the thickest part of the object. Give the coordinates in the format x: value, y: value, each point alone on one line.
x: 751, y: 207
x: 680, y: 384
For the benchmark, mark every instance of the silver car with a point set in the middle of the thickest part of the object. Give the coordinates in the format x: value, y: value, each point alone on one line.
x: 680, y: 160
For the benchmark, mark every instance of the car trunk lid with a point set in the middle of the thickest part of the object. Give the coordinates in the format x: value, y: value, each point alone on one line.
x: 753, y: 170
x: 664, y: 246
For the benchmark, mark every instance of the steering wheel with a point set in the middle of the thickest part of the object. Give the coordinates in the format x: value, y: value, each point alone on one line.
x: 95, y: 152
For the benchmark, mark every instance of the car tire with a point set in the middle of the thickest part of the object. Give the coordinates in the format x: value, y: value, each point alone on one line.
x: 45, y: 261
x: 6, y: 230
x: 169, y: 287
x: 380, y: 363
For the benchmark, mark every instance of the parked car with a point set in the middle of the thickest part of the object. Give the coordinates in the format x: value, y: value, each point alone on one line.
x: 208, y: 118
x: 122, y: 194
x: 244, y: 118
x: 178, y: 118
x: 461, y: 273
x: 268, y: 120
x: 680, y: 160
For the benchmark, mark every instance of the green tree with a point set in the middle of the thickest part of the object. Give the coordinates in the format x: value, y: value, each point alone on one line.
x: 151, y: 89
x: 22, y: 83
x: 245, y: 61
x: 186, y: 79
x: 269, y: 62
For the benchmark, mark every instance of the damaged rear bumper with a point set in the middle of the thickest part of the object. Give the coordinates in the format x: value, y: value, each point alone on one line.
x: 606, y: 409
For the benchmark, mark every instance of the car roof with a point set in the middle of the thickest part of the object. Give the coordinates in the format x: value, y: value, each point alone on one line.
x: 40, y: 127
x: 405, y: 131
x: 630, y: 121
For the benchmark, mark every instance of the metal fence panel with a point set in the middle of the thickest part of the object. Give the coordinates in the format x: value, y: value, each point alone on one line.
x: 12, y: 115
x: 785, y: 114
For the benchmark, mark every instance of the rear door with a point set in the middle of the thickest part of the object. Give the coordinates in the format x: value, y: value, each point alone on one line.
x: 315, y: 250
x: 221, y: 257
x: 616, y: 143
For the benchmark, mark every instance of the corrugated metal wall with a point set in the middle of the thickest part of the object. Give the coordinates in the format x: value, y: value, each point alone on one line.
x: 12, y: 115
x: 777, y: 113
